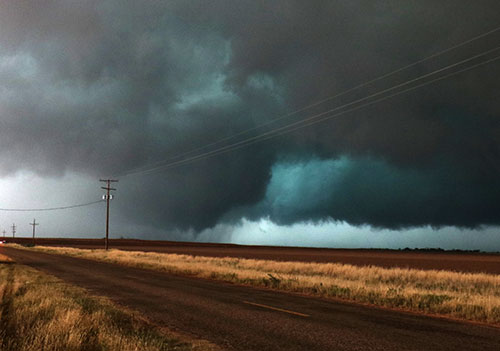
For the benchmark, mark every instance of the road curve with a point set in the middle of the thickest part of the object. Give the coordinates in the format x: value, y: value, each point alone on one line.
x: 244, y: 318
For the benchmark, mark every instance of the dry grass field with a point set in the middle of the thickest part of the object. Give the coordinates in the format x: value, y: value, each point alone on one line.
x: 474, y: 262
x: 471, y: 296
x: 40, y: 312
x: 4, y: 259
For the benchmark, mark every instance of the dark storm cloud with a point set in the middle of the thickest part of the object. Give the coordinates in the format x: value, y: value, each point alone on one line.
x: 365, y: 190
x: 100, y: 87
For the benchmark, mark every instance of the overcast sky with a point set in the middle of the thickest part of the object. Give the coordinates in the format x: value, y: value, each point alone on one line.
x: 92, y: 89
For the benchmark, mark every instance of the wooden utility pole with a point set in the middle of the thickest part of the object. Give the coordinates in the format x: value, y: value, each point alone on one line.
x: 13, y: 230
x: 108, y: 197
x: 34, y: 224
x: 4, y: 233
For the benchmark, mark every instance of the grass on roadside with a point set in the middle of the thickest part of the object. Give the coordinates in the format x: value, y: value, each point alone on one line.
x: 5, y: 259
x: 471, y: 296
x: 40, y: 312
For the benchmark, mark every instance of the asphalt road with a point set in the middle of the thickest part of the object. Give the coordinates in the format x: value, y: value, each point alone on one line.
x: 243, y: 318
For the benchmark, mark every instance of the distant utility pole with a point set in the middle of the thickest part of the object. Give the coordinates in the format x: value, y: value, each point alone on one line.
x: 34, y: 224
x: 108, y: 197
x: 4, y: 233
x: 13, y: 230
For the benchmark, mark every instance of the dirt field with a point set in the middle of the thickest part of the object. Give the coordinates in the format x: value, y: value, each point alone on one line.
x: 464, y: 262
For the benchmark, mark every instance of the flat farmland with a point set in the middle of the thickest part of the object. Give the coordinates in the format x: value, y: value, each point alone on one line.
x: 239, y: 317
x: 427, y: 260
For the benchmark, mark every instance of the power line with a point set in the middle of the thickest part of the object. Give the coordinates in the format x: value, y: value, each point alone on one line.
x: 300, y: 124
x: 48, y: 209
x: 388, y: 96
x: 317, y: 118
x: 284, y: 130
x: 359, y: 86
x: 276, y: 132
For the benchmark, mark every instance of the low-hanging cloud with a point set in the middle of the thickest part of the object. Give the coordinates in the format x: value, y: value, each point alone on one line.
x: 101, y: 87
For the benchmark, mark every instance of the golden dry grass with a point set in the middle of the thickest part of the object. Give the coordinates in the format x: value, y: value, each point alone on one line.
x: 472, y: 296
x: 4, y: 259
x: 39, y: 312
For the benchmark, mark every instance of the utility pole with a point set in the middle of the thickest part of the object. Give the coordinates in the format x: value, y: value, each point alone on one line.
x: 13, y: 230
x: 108, y: 197
x: 34, y: 224
x: 4, y: 233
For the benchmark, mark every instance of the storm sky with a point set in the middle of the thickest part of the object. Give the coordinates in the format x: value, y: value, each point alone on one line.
x: 93, y: 89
